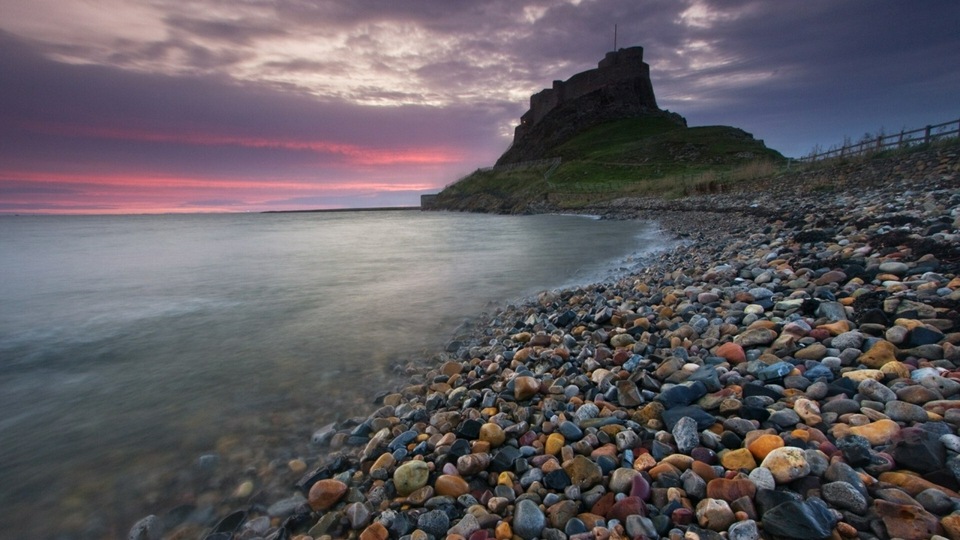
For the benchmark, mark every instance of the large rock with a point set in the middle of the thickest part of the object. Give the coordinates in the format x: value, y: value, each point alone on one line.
x: 715, y: 514
x: 148, y: 528
x: 844, y: 496
x: 703, y: 418
x: 907, y: 521
x: 434, y: 522
x: 878, y: 433
x: 685, y: 435
x: 583, y: 472
x: 882, y: 352
x: 806, y: 520
x: 326, y: 493
x: 786, y: 464
x: 451, y: 485
x: 525, y: 387
x: 411, y: 476
x: 528, y: 520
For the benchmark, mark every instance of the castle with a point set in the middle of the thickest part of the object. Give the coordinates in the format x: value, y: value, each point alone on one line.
x: 617, y: 67
x: 618, y: 88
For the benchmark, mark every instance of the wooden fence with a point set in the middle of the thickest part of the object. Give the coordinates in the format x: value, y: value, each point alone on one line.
x: 904, y: 139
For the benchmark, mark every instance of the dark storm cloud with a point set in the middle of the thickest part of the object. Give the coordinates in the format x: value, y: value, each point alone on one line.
x: 820, y: 70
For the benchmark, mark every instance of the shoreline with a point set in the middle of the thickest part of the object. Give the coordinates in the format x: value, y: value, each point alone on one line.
x: 333, y: 210
x: 575, y: 402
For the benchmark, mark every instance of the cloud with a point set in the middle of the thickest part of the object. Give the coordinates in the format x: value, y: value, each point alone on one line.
x: 385, y: 93
x: 236, y: 32
x: 94, y: 127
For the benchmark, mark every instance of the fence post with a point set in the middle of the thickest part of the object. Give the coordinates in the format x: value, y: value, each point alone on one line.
x: 926, y: 135
x: 900, y: 142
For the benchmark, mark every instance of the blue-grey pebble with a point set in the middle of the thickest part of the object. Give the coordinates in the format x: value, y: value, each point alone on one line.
x: 685, y: 435
x: 744, y: 530
x: 876, y: 390
x: 843, y: 495
x: 785, y: 418
x: 528, y: 520
x: 434, y: 522
x: 935, y: 501
x: 570, y: 431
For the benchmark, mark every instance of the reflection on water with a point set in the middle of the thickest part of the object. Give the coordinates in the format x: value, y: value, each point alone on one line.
x: 131, y: 345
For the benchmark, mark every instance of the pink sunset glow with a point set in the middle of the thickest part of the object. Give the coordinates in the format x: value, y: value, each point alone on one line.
x: 201, y: 106
x: 352, y: 154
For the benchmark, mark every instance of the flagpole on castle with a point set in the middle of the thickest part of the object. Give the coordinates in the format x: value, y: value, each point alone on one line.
x: 614, y: 38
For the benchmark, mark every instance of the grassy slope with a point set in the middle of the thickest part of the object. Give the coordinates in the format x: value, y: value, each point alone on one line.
x: 651, y: 156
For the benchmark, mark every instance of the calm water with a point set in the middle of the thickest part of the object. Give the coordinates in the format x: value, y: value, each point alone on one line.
x: 130, y: 346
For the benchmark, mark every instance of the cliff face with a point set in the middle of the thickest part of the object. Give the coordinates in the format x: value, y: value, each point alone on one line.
x: 618, y: 88
x: 615, y: 102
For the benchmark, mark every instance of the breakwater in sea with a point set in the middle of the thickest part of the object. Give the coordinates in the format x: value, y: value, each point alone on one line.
x: 791, y: 370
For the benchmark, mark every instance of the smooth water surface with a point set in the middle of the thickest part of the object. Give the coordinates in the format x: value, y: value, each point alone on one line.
x: 131, y: 345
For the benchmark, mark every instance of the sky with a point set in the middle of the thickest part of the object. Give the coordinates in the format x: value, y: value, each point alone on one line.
x: 154, y: 106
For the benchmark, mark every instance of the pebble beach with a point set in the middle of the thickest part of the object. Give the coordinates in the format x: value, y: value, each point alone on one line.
x: 791, y: 369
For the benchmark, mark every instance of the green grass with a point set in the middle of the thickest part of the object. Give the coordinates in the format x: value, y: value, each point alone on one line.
x: 633, y: 157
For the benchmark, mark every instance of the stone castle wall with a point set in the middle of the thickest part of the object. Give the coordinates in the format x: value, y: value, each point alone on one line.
x: 618, y: 88
x: 622, y: 67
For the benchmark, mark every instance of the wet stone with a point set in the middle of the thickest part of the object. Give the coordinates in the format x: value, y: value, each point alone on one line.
x: 434, y: 522
x: 528, y: 520
x: 774, y: 372
x: 557, y: 480
x: 810, y: 519
x: 326, y: 493
x: 504, y: 459
x: 844, y: 496
x: 787, y: 464
x: 919, y: 451
x: 682, y: 394
x: 876, y: 391
x: 570, y: 431
x: 685, y: 434
x: 703, y: 418
x: 714, y: 514
x: 744, y: 530
x: 935, y: 501
x: 902, y: 411
x: 907, y: 521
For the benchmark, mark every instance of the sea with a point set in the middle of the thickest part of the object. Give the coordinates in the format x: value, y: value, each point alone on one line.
x: 133, y: 348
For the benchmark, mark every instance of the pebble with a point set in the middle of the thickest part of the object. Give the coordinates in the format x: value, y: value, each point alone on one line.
x: 528, y: 521
x: 685, y: 435
x: 434, y: 523
x: 793, y: 362
x: 786, y: 464
x: 326, y: 493
x: 411, y: 476
x: 844, y: 496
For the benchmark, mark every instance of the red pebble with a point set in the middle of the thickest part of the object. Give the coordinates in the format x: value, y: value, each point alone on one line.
x: 682, y: 516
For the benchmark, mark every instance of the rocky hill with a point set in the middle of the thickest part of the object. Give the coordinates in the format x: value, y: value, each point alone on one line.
x: 618, y: 88
x: 648, y: 155
x: 600, y: 135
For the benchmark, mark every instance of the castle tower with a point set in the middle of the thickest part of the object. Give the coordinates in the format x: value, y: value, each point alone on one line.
x: 622, y: 75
